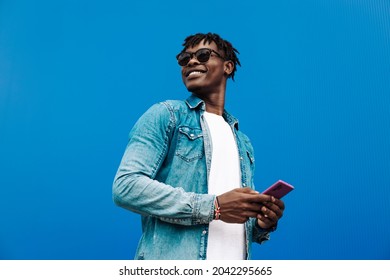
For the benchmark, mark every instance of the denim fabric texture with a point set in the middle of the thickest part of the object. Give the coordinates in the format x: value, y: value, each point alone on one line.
x: 163, y: 177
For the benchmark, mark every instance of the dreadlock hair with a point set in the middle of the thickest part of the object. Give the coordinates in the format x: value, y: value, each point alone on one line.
x: 228, y: 49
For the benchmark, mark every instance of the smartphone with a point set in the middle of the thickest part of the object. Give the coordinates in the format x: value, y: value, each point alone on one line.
x: 279, y: 189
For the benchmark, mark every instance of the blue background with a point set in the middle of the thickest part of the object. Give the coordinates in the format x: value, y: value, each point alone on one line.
x: 313, y: 94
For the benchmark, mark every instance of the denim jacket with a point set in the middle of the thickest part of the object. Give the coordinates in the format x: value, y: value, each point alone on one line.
x: 163, y: 176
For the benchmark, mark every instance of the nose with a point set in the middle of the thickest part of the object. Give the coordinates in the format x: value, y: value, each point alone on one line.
x: 193, y: 60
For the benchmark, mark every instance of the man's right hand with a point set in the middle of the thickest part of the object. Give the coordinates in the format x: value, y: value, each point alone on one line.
x: 238, y: 205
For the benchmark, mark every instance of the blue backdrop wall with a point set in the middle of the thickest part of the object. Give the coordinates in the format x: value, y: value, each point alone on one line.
x: 313, y: 94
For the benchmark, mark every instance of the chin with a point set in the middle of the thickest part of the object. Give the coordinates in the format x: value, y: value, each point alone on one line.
x: 194, y: 88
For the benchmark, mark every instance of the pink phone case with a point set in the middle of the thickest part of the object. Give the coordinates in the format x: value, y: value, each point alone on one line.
x: 279, y: 189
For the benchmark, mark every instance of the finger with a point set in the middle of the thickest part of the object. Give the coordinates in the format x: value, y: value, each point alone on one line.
x: 254, y: 207
x: 280, y: 203
x: 266, y: 220
x: 252, y: 214
x: 260, y: 198
x: 248, y: 210
x: 236, y: 218
x: 265, y: 223
x: 275, y: 208
x: 268, y: 213
x: 263, y: 219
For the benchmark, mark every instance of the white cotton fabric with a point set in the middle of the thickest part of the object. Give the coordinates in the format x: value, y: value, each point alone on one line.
x: 225, y: 241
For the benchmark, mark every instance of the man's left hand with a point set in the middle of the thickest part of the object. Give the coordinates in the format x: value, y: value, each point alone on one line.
x: 270, y: 213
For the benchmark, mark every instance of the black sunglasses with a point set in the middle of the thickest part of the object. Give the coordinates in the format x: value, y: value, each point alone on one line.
x: 202, y: 55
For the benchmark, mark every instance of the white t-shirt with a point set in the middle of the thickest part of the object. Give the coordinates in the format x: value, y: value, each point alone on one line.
x: 225, y: 240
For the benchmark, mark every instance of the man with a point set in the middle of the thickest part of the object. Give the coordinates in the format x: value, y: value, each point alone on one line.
x: 188, y: 169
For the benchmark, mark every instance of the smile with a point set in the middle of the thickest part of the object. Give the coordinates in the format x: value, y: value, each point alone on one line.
x: 195, y: 72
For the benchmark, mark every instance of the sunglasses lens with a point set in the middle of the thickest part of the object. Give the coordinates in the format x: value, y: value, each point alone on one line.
x: 183, y: 59
x: 203, y: 55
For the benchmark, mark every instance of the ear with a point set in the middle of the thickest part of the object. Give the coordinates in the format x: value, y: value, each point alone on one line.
x: 228, y: 67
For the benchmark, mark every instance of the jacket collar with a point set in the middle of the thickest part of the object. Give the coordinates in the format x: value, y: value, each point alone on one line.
x: 194, y: 102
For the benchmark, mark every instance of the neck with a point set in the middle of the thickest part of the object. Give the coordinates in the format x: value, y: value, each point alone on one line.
x: 215, y: 104
x: 215, y: 101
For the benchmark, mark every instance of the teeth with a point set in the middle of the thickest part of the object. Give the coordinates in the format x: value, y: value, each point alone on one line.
x: 194, y: 72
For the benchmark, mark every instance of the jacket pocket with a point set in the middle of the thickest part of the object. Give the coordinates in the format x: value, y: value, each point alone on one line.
x: 190, y: 143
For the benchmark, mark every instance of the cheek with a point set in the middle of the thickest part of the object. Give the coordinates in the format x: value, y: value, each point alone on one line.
x: 183, y: 78
x: 216, y: 74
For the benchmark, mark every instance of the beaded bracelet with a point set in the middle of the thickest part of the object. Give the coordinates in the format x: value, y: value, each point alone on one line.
x: 217, y: 209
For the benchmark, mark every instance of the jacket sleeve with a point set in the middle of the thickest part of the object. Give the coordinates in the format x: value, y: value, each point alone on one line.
x: 259, y: 235
x: 134, y: 186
